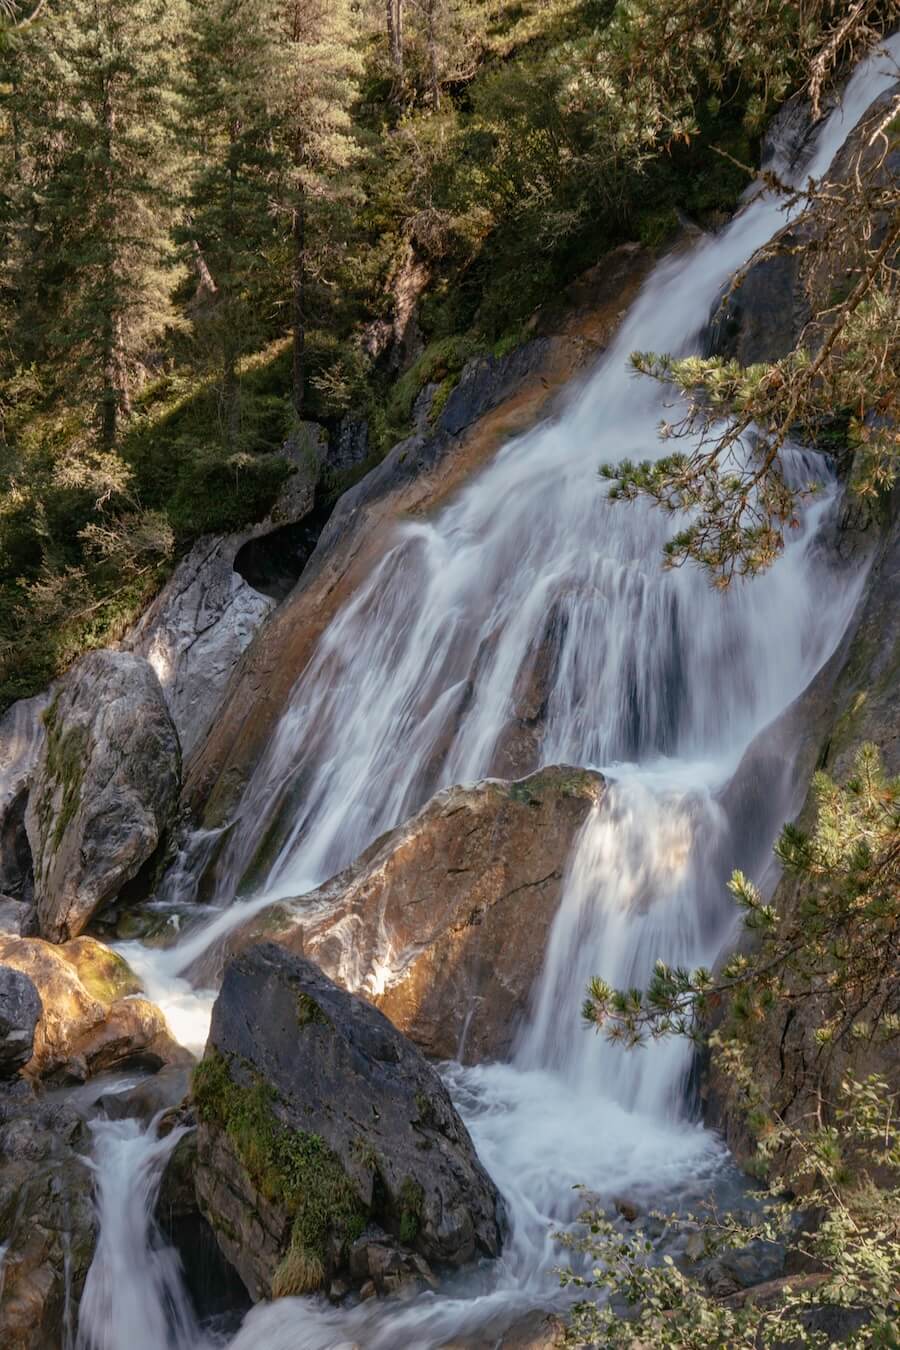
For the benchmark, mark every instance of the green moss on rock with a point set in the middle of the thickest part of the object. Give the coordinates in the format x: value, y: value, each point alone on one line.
x: 66, y: 753
x: 105, y: 975
x: 564, y: 783
x: 293, y: 1169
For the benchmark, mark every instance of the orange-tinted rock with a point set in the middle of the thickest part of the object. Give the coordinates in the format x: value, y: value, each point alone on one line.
x: 444, y: 922
x: 91, y: 1018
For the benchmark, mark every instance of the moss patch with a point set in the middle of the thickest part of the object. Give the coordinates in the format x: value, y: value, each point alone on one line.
x: 105, y: 975
x: 412, y: 1198
x: 309, y: 1012
x: 576, y: 783
x: 66, y: 755
x: 293, y: 1169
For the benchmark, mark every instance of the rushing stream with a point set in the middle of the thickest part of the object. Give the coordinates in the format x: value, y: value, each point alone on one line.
x: 659, y: 681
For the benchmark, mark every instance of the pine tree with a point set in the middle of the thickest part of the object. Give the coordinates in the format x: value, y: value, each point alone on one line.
x: 94, y: 111
x: 233, y: 68
x: 315, y: 136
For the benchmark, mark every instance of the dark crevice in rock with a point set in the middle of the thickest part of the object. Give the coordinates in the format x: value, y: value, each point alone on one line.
x: 17, y: 878
x: 272, y: 563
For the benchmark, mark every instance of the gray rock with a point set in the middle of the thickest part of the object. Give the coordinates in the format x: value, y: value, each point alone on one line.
x: 46, y: 1218
x: 336, y: 1077
x: 104, y: 788
x: 162, y: 1091
x: 20, y: 1012
x: 17, y: 917
x: 21, y: 735
x: 195, y: 630
x: 351, y: 445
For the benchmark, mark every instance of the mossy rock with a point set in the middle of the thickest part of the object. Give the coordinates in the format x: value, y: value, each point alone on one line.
x: 292, y: 1169
x: 105, y: 975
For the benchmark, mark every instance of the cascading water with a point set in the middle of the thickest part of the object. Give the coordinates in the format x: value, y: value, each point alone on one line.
x: 134, y: 1295
x: 657, y: 679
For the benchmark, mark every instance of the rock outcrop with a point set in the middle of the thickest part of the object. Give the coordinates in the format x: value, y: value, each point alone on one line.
x: 104, y: 788
x: 46, y: 1219
x: 92, y: 1017
x: 21, y: 737
x: 324, y: 1134
x: 443, y: 923
x: 496, y: 399
x: 20, y: 1012
x: 195, y: 631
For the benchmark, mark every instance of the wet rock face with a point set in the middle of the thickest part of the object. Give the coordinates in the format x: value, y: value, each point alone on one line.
x: 444, y: 922
x: 317, y: 1119
x: 104, y: 788
x: 46, y: 1219
x: 20, y: 1011
x: 90, y: 1018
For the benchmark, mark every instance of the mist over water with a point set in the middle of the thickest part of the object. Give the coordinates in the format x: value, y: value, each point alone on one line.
x: 657, y: 679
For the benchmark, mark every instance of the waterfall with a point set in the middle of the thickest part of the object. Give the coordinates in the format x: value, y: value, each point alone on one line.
x: 134, y: 1295
x: 657, y: 680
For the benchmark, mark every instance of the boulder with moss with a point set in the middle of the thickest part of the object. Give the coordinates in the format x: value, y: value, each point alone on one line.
x: 104, y: 788
x: 443, y: 923
x: 320, y: 1123
x: 92, y: 1016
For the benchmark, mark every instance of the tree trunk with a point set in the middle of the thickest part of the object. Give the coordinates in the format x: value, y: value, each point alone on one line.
x: 433, y: 73
x: 298, y: 317
x: 115, y: 398
x: 231, y: 386
x: 394, y: 11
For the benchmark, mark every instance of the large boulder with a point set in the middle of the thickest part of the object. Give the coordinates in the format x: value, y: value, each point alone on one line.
x: 47, y: 1219
x: 325, y: 1137
x: 20, y: 1012
x: 91, y: 1016
x: 104, y: 789
x: 444, y: 922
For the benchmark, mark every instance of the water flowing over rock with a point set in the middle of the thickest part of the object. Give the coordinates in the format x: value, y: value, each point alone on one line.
x: 92, y: 1018
x: 20, y: 1011
x: 47, y: 1220
x: 104, y: 788
x: 444, y: 922
x: 396, y: 667
x: 496, y: 399
x: 317, y: 1119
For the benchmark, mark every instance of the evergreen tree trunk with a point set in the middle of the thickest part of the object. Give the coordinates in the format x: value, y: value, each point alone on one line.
x: 114, y: 383
x: 231, y: 391
x: 434, y: 82
x: 298, y: 317
x: 394, y: 9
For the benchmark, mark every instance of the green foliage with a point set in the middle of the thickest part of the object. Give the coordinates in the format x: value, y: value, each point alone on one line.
x: 208, y: 212
x: 853, y: 1253
x: 291, y: 1168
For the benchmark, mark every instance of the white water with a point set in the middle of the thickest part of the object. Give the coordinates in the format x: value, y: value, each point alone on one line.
x: 658, y: 679
x: 133, y: 1298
